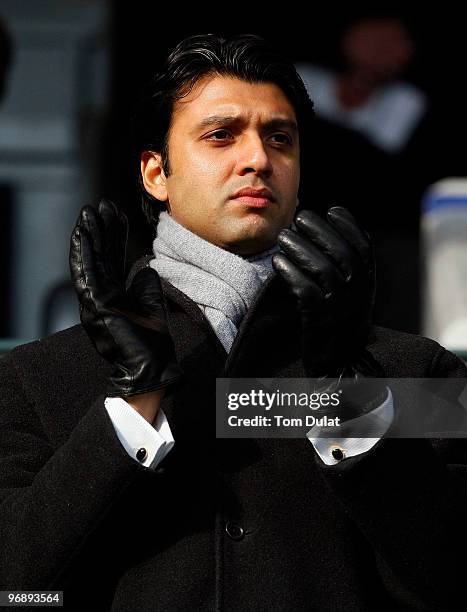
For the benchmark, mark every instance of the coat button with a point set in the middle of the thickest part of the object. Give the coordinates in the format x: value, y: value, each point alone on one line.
x: 234, y: 531
x: 141, y: 454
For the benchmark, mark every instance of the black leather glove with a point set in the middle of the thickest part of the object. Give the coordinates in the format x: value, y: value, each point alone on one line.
x: 328, y: 266
x: 128, y: 326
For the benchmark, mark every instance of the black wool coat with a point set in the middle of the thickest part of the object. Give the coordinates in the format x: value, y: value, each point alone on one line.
x: 220, y: 524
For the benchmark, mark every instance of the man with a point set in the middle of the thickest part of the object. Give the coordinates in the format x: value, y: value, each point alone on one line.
x: 99, y: 502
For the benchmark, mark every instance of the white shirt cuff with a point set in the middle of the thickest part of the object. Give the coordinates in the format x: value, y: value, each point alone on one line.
x: 148, y: 444
x: 352, y: 446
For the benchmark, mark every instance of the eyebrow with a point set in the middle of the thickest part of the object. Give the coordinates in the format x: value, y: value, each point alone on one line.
x: 277, y: 123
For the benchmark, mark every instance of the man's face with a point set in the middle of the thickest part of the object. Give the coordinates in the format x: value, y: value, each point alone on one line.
x: 229, y: 135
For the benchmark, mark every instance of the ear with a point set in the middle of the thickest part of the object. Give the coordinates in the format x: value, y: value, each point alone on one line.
x: 153, y: 176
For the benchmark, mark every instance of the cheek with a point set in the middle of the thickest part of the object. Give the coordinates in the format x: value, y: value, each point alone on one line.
x: 190, y: 161
x: 198, y: 185
x: 290, y: 179
x: 205, y: 164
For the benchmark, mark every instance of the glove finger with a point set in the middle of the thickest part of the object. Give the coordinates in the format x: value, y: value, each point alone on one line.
x: 91, y: 285
x: 91, y: 221
x: 312, y: 261
x: 75, y: 260
x: 344, y: 222
x: 327, y: 239
x: 299, y: 284
x: 115, y: 226
x: 88, y: 218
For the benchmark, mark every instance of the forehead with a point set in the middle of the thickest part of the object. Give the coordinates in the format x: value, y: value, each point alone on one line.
x: 230, y: 96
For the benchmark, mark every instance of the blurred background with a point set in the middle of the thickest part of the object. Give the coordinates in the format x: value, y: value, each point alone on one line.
x: 389, y: 141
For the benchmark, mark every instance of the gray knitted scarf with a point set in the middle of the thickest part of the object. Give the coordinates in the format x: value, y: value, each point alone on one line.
x: 221, y: 283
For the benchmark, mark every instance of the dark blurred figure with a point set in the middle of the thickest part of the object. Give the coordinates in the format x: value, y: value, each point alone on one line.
x: 385, y: 142
x: 367, y: 95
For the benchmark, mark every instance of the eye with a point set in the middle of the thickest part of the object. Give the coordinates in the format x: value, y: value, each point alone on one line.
x: 219, y: 135
x: 281, y: 138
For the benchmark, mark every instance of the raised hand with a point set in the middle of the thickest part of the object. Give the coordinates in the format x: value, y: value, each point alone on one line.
x: 328, y: 265
x: 127, y: 324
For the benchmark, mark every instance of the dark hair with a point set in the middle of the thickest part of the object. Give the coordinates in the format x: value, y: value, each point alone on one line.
x: 245, y: 56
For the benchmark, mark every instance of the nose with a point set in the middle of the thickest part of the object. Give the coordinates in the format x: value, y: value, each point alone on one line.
x: 253, y: 157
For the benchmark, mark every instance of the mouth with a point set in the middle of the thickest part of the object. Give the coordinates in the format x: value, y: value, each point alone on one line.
x: 254, y: 198
x: 253, y: 202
